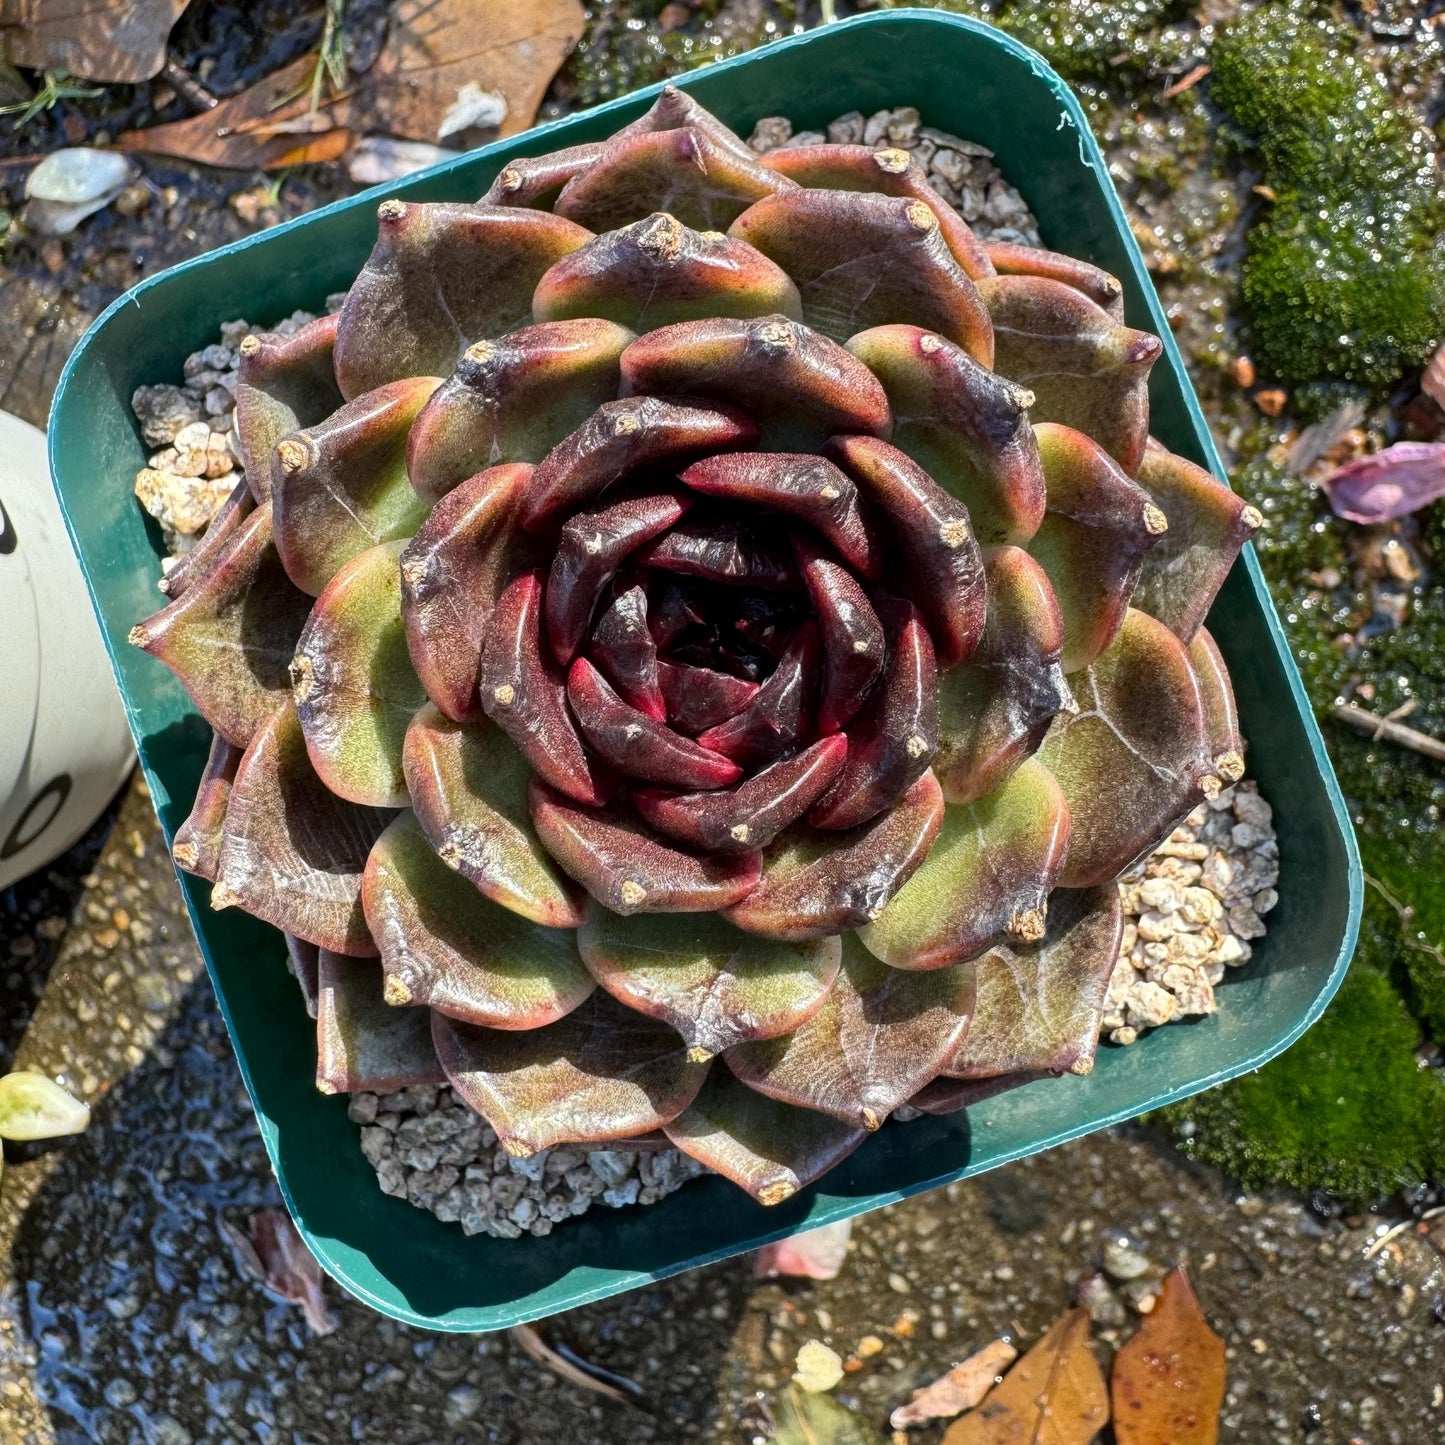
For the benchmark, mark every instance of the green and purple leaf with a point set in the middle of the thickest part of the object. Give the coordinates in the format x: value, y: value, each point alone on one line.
x: 283, y: 384
x: 601, y: 1073
x: 447, y: 946
x: 770, y: 1149
x: 353, y: 681
x: 627, y: 869
x: 1094, y: 540
x: 513, y: 400
x: 1221, y: 716
x: 440, y: 277
x: 197, y: 846
x: 995, y: 710
x: 861, y: 260
x: 880, y: 1035
x: 815, y: 883
x: 1135, y: 758
x: 659, y: 272
x: 292, y: 852
x: 854, y: 646
x: 341, y: 486
x: 1011, y: 259
x: 538, y: 180
x: 987, y: 879
x: 938, y: 565
x: 713, y: 983
x: 468, y: 787
x: 1208, y: 524
x: 1043, y: 1001
x: 966, y: 426
x: 1085, y: 369
x: 362, y: 1043
x: 452, y: 575
x: 230, y: 637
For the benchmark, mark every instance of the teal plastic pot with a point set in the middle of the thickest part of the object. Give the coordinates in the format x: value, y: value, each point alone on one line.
x: 965, y: 78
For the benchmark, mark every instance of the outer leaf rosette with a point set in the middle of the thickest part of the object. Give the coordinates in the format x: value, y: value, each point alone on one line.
x: 695, y: 607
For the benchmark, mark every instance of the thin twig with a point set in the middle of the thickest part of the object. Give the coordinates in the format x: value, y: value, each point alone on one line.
x: 1401, y: 1228
x: 1405, y: 912
x: 187, y: 86
x: 1187, y: 82
x: 1378, y: 727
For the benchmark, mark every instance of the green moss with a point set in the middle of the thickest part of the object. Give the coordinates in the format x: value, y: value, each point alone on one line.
x: 1345, y: 273
x: 1346, y: 1109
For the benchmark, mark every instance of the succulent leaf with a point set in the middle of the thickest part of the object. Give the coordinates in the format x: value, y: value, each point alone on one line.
x: 779, y: 714
x: 713, y: 983
x: 353, y: 681
x: 440, y: 277
x: 880, y: 1035
x: 1093, y: 540
x: 798, y: 385
x: 1084, y: 368
x: 861, y: 260
x: 944, y: 1095
x: 619, y: 439
x: 446, y: 945
x: 893, y: 739
x: 637, y: 745
x: 674, y: 109
x: 815, y: 883
x: 600, y: 1073
x: 592, y: 546
x: 304, y: 962
x: 987, y: 880
x: 230, y: 637
x: 809, y: 488
x: 890, y: 172
x: 341, y: 486
x: 1208, y: 524
x: 468, y: 788
x: 1043, y: 1000
x: 752, y: 813
x: 283, y: 384
x: 699, y: 698
x: 1221, y: 716
x: 513, y: 400
x: 1135, y: 758
x: 191, y: 566
x: 452, y: 575
x: 628, y: 870
x: 966, y: 426
x: 538, y: 180
x: 524, y: 692
x: 938, y: 565
x: 686, y: 172
x: 362, y: 1043
x: 292, y: 852
x: 1011, y: 259
x: 770, y: 1149
x: 727, y: 550
x: 852, y: 636
x: 197, y: 845
x: 995, y: 710
x: 658, y: 272
x: 622, y: 646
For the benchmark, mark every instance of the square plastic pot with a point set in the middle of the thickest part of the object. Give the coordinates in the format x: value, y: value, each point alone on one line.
x: 965, y: 78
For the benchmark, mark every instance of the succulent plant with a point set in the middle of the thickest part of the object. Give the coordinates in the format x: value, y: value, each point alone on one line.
x: 704, y: 637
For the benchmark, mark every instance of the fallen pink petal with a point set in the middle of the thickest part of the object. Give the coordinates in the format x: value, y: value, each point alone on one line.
x: 814, y: 1254
x: 1389, y: 484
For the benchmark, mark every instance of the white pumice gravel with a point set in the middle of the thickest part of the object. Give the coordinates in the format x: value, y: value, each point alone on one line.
x: 1192, y: 911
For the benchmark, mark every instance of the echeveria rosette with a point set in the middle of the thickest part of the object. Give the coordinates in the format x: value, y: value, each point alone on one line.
x: 702, y: 637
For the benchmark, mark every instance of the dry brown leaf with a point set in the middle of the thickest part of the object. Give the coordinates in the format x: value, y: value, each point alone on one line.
x: 433, y: 49
x: 574, y: 1370
x: 1168, y: 1381
x: 123, y: 41
x: 959, y: 1390
x: 1054, y: 1396
x: 273, y: 1253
